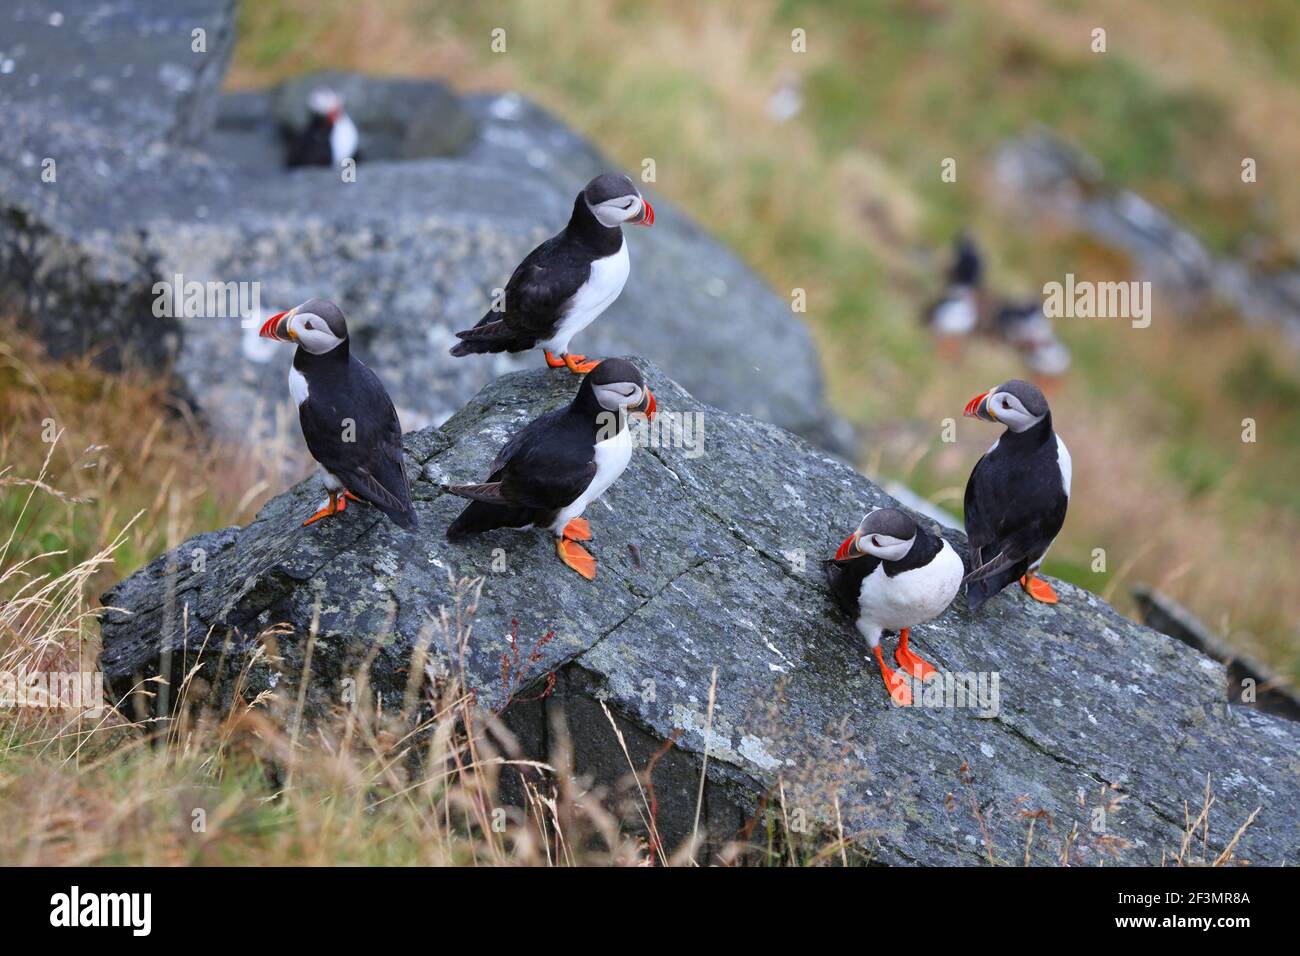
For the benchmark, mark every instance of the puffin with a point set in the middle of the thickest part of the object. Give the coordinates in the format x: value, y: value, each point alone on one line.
x: 558, y: 464
x: 564, y: 284
x: 1017, y: 494
x: 957, y: 314
x: 347, y: 418
x: 891, y: 574
x: 330, y: 136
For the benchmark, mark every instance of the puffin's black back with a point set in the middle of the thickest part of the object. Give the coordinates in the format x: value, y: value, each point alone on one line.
x: 1014, y: 505
x: 311, y: 146
x: 541, y: 285
x: 371, y: 466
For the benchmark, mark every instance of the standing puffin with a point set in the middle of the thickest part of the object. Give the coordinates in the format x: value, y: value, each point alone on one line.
x: 347, y: 418
x: 547, y: 474
x: 891, y: 575
x: 957, y: 314
x: 329, y: 138
x: 564, y: 284
x: 1017, y: 494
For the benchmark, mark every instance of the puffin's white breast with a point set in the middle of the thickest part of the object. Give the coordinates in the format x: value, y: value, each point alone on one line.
x: 612, y: 456
x: 1063, y: 459
x: 956, y: 316
x: 297, y: 386
x: 608, y: 276
x: 343, y: 140
x: 914, y: 596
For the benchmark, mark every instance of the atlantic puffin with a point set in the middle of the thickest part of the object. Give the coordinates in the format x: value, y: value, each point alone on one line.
x: 330, y: 136
x: 890, y: 574
x: 957, y: 314
x: 1017, y: 494
x: 346, y: 416
x: 557, y: 465
x: 564, y: 284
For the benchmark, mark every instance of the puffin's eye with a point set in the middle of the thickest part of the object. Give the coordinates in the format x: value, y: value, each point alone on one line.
x: 875, y: 541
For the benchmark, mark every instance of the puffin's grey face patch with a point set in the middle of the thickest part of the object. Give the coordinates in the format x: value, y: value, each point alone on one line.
x: 609, y: 186
x: 330, y: 313
x: 1028, y: 394
x: 319, y: 326
x: 889, y: 522
x: 613, y: 370
x: 887, y: 533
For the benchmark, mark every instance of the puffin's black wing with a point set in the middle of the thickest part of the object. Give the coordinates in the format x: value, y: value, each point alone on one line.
x: 371, y: 466
x: 845, y: 577
x: 534, y: 300
x: 531, y: 480
x: 1010, y: 521
x: 533, y: 475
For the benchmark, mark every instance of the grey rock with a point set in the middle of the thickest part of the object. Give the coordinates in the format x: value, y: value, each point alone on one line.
x: 144, y: 205
x: 725, y: 576
x: 131, y: 67
x: 1249, y: 684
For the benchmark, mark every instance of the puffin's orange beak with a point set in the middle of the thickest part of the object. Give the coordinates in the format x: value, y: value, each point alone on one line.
x: 649, y: 405
x: 277, y: 327
x: 978, y: 407
x: 647, y: 217
x: 846, y: 548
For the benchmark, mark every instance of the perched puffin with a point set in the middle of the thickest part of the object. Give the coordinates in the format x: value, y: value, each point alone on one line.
x: 347, y: 418
x: 547, y: 474
x: 891, y: 575
x: 957, y: 314
x: 564, y: 284
x: 330, y: 136
x: 1017, y: 494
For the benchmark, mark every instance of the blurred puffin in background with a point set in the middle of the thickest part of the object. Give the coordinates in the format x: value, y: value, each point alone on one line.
x: 548, y: 473
x: 891, y: 574
x: 564, y: 284
x: 957, y: 314
x: 330, y: 136
x: 968, y: 308
x: 1017, y: 494
x: 347, y: 418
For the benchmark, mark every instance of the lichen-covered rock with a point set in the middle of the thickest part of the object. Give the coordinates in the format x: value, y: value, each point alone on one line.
x: 709, y: 554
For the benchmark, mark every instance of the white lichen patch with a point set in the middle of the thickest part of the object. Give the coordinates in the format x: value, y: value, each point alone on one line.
x: 752, y: 747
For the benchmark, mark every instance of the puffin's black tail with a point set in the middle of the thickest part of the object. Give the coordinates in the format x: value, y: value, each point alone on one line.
x: 479, y: 516
x: 980, y: 590
x: 403, y: 519
x: 490, y: 335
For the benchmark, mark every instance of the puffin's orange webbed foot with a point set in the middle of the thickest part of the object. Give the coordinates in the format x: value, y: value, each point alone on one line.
x: 579, y: 364
x: 909, y: 662
x: 551, y: 360
x: 1038, y: 589
x: 895, y: 683
x: 337, y: 505
x: 578, y: 530
x: 577, y: 557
